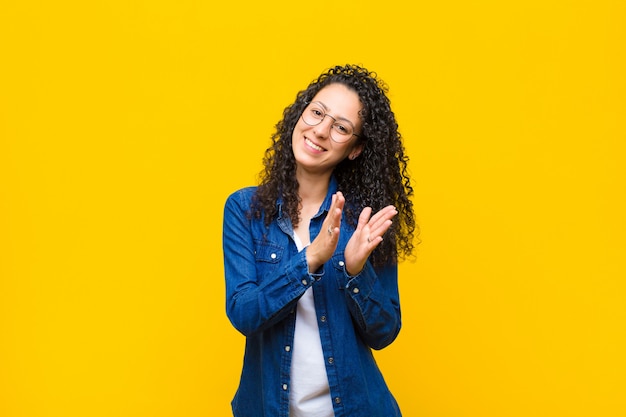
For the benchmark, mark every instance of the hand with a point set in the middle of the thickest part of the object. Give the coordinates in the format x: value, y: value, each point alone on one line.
x: 367, y: 236
x: 324, y: 245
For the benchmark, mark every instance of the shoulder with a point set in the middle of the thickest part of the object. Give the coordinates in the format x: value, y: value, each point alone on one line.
x: 241, y: 198
x: 245, y: 193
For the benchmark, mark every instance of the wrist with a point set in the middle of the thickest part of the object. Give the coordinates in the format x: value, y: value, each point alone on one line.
x: 354, y: 270
x: 312, y: 260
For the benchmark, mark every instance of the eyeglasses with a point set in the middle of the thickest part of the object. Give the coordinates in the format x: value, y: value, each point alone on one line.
x: 340, y: 131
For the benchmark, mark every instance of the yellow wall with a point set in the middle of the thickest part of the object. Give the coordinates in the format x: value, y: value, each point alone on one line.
x: 125, y: 124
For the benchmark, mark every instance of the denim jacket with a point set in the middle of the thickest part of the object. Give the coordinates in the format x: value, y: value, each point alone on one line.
x: 265, y: 277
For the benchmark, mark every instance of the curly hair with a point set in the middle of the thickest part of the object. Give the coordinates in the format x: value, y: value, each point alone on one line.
x: 377, y: 178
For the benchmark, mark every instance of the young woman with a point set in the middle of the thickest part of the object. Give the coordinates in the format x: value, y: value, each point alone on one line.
x: 311, y: 254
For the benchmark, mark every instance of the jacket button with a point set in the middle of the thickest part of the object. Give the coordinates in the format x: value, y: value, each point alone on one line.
x: 284, y: 387
x: 323, y: 319
x: 341, y: 263
x: 287, y: 348
x: 355, y: 290
x: 337, y: 400
x: 304, y: 282
x: 331, y: 360
x: 273, y: 256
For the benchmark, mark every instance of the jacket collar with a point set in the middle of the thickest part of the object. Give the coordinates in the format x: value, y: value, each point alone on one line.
x: 332, y: 189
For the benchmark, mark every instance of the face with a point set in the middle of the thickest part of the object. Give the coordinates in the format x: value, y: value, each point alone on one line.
x: 313, y: 147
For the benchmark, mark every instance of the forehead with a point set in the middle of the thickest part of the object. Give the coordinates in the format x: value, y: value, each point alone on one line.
x: 339, y: 100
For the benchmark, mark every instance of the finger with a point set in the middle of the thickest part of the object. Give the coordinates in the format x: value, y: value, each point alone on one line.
x: 384, y: 213
x: 371, y: 238
x: 381, y: 229
x: 333, y: 202
x: 364, y: 217
x: 382, y: 216
x: 380, y: 223
x: 340, y: 200
x: 333, y: 220
x: 338, y: 210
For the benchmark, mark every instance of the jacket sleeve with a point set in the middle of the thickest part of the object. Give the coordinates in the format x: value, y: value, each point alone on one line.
x: 374, y: 303
x: 254, y: 303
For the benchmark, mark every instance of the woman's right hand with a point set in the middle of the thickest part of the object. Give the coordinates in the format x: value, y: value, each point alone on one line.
x: 324, y: 245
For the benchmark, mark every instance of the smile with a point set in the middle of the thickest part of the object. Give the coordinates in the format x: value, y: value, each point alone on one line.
x: 313, y: 145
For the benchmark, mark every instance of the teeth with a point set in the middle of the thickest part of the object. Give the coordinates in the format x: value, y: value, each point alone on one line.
x: 314, y: 146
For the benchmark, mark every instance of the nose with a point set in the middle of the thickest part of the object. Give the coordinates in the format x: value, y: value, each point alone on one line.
x: 323, y: 128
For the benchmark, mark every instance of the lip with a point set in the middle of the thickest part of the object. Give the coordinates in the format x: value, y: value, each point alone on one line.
x: 317, y: 149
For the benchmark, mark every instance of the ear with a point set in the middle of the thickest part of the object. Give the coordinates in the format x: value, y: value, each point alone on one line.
x: 356, y: 151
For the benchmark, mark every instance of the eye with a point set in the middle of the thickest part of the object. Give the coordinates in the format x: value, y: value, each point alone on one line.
x: 343, y: 129
x: 316, y: 111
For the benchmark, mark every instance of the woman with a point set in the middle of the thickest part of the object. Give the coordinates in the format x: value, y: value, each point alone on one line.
x: 311, y: 254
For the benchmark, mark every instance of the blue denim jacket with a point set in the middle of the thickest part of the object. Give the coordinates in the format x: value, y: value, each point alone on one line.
x: 265, y: 277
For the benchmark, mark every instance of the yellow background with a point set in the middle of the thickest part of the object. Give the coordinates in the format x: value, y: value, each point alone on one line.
x: 125, y: 124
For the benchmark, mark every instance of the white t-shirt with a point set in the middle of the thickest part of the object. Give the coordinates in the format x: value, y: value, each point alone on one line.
x: 309, y: 395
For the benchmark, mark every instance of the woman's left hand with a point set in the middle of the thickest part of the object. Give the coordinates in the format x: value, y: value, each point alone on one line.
x: 367, y: 236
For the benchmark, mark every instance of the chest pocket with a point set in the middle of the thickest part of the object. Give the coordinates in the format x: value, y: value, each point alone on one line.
x: 268, y: 256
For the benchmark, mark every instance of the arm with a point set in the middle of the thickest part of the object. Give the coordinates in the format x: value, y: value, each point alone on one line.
x: 373, y: 300
x: 372, y: 294
x: 254, y: 302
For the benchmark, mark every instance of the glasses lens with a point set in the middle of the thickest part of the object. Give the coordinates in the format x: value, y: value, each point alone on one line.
x: 313, y: 115
x: 341, y: 132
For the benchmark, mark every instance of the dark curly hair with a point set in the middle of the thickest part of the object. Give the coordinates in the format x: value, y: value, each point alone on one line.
x: 377, y: 178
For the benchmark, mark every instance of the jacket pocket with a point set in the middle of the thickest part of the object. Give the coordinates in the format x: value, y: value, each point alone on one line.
x: 268, y: 256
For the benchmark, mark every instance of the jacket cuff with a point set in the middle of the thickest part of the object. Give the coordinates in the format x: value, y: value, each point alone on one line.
x: 299, y: 271
x: 361, y: 284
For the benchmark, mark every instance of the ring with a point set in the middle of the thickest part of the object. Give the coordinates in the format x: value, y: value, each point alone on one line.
x: 330, y: 230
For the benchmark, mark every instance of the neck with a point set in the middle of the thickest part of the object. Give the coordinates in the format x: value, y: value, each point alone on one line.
x: 312, y: 188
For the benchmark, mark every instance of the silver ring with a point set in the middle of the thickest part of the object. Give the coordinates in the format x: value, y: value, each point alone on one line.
x: 330, y: 230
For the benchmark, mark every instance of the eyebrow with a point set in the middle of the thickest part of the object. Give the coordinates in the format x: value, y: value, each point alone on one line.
x: 336, y: 118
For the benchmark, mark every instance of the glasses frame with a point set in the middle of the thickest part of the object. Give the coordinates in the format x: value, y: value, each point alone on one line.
x: 307, y: 104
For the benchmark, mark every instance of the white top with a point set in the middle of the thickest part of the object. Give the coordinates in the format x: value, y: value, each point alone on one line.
x: 309, y: 395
